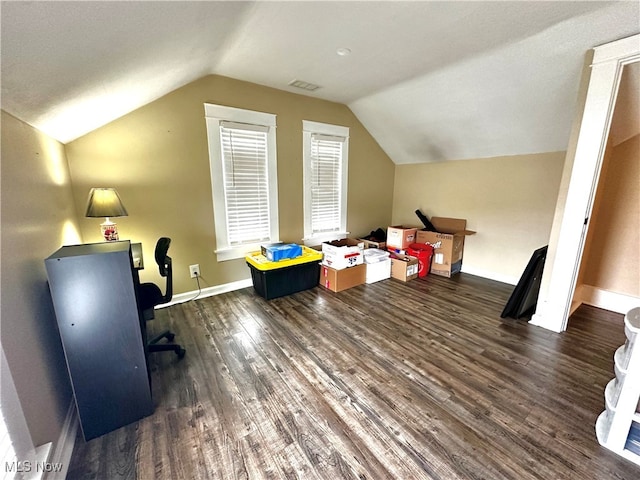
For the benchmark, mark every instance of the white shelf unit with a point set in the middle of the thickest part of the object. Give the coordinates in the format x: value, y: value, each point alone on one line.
x: 618, y: 427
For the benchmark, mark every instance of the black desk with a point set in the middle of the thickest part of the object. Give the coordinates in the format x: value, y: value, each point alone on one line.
x: 94, y: 291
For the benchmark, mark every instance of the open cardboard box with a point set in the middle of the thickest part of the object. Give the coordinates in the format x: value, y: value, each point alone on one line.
x: 400, y: 236
x: 448, y: 243
x: 373, y: 244
x: 403, y: 267
x: 345, y: 253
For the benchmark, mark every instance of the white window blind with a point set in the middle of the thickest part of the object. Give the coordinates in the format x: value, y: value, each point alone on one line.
x: 325, y: 156
x: 326, y: 183
x: 246, y: 182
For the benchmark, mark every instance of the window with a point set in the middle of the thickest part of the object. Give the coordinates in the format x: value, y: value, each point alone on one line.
x: 242, y: 157
x: 326, y: 153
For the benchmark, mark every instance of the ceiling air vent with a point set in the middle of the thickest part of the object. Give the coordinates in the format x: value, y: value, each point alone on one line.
x: 304, y: 85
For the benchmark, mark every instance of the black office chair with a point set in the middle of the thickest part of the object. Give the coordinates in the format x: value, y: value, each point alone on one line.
x: 151, y: 295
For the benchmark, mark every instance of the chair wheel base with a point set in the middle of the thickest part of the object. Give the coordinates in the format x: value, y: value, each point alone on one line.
x: 166, y: 347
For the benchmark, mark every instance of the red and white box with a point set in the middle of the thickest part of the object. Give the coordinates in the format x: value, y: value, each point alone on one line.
x: 344, y: 253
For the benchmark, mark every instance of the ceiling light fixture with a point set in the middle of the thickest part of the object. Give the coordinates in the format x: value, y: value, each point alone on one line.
x: 343, y: 52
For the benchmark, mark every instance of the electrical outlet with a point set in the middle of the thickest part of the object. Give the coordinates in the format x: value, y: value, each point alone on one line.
x: 194, y: 270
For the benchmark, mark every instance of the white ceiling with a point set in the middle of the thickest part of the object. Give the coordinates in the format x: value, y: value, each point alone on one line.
x: 430, y: 80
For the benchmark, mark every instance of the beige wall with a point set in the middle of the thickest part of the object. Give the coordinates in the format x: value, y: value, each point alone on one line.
x: 157, y: 158
x: 611, y: 259
x: 508, y: 201
x: 37, y: 218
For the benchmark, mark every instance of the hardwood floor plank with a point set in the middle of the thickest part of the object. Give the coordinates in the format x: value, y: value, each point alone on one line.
x: 324, y: 383
x: 392, y: 404
x: 420, y: 380
x: 395, y: 402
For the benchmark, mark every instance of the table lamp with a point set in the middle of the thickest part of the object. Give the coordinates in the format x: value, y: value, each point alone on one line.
x: 105, y: 202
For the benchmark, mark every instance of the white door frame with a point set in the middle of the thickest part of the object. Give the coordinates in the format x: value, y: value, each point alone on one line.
x: 561, y: 270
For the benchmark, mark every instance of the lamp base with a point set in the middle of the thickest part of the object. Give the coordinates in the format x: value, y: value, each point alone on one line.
x: 109, y: 231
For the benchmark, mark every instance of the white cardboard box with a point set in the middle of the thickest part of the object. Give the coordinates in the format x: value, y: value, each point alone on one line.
x: 341, y: 254
x: 378, y: 271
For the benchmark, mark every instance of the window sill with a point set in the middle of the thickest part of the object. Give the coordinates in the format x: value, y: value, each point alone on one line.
x: 233, y: 253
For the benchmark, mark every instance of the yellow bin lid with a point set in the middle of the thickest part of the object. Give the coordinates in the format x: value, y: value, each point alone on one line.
x: 259, y: 261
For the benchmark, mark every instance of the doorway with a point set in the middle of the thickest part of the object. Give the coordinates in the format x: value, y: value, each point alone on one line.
x: 609, y: 275
x: 568, y: 234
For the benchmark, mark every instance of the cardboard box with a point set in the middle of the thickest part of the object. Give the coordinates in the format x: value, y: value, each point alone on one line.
x: 375, y: 255
x: 338, y: 280
x: 263, y: 248
x: 341, y: 254
x: 372, y: 244
x: 448, y: 243
x: 275, y: 253
x: 404, y: 267
x: 378, y: 265
x: 400, y: 236
x: 378, y: 271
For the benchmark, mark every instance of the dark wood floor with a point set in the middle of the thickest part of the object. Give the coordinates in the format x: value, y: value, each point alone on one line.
x: 390, y: 380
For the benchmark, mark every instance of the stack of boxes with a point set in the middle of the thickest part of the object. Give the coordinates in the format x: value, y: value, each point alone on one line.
x: 447, y: 243
x: 403, y: 267
x: 342, y: 264
x: 282, y: 269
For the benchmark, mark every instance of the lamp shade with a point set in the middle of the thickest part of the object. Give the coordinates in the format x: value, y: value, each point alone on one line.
x: 105, y: 202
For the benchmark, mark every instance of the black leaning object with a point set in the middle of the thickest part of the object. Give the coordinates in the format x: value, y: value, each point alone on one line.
x: 425, y: 221
x: 525, y: 296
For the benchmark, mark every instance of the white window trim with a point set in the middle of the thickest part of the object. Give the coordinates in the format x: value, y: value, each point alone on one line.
x: 215, y: 114
x: 308, y: 129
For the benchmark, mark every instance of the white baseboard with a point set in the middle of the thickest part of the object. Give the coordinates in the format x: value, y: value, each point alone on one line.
x: 498, y: 277
x: 542, y: 318
x: 64, y: 445
x: 209, y: 291
x: 605, y: 299
x: 38, y: 460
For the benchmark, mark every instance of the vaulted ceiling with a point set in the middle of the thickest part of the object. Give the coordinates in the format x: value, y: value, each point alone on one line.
x: 431, y: 81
